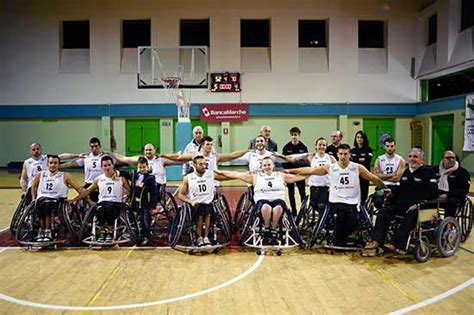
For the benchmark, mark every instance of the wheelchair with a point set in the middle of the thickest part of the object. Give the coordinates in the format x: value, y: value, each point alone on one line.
x: 243, y: 209
x: 61, y: 227
x: 431, y: 233
x: 287, y: 236
x: 464, y: 217
x: 307, y: 218
x: 126, y: 229
x: 19, y: 211
x: 323, y: 233
x: 183, y: 233
x: 224, y: 205
x: 374, y: 203
x: 162, y: 220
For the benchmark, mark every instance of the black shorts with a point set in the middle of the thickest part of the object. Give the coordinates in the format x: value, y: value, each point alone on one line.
x: 319, y: 196
x: 273, y: 203
x: 203, y: 209
x: 108, y: 212
x: 47, y: 206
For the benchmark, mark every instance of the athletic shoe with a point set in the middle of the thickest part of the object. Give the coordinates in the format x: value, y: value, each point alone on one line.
x: 47, y: 236
x: 200, y: 242
x: 109, y: 236
x: 144, y: 242
x: 40, y: 236
x: 206, y: 241
x: 101, y: 237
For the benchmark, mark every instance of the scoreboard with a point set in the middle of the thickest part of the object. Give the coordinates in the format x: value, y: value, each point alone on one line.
x: 225, y: 82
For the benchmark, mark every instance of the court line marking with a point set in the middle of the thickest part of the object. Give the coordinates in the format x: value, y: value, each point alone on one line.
x: 129, y: 306
x: 4, y: 229
x: 435, y: 299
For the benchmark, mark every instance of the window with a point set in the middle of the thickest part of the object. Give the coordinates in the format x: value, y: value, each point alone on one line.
x: 371, y: 34
x: 255, y: 33
x: 432, y: 29
x: 194, y: 33
x: 136, y: 33
x: 76, y: 34
x: 450, y: 85
x: 312, y: 33
x: 467, y: 16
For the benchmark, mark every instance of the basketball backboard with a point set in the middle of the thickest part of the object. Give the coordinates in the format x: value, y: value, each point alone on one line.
x: 189, y: 63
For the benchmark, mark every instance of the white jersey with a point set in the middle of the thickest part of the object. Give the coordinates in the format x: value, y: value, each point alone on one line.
x: 254, y: 160
x: 344, y: 184
x: 320, y: 180
x: 269, y: 187
x: 156, y: 168
x: 110, y: 189
x: 33, y: 167
x: 389, y: 165
x: 92, y: 167
x: 201, y: 189
x: 52, y: 186
x: 191, y: 148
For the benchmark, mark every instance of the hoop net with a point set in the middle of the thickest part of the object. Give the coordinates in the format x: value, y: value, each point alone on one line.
x: 171, y: 85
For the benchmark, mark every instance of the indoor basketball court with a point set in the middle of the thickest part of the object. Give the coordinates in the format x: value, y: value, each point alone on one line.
x: 196, y: 125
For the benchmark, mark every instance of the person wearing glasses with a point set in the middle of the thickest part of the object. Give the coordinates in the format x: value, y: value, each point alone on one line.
x: 270, y: 145
x: 418, y: 183
x: 453, y: 183
x: 336, y: 139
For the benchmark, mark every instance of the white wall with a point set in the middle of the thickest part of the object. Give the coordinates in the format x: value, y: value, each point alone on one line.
x: 32, y: 50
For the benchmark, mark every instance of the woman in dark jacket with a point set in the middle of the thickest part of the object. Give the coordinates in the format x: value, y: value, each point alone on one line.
x: 144, y: 195
x: 361, y: 153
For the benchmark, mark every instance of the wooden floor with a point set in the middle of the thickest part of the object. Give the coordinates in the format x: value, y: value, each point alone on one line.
x: 237, y: 281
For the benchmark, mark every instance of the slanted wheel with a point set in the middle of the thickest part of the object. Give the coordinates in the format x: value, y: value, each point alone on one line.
x: 19, y: 211
x: 222, y: 223
x: 422, y: 251
x: 448, y: 237
x: 87, y: 224
x: 464, y: 218
x: 171, y: 207
x: 28, y: 225
x: 225, y: 206
x: 178, y: 225
x: 71, y: 218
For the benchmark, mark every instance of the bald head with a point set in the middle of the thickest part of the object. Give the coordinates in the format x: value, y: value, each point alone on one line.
x: 35, y: 150
x: 150, y: 150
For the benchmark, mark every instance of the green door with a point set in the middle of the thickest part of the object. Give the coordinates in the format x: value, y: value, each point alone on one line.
x: 140, y: 132
x: 442, y: 136
x: 378, y: 129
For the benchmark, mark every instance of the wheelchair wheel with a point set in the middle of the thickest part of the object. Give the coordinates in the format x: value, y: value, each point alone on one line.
x: 178, y: 225
x: 132, y: 224
x: 422, y: 251
x: 222, y: 224
x: 303, y: 211
x: 448, y: 237
x: 87, y: 227
x: 28, y: 224
x: 238, y: 209
x: 370, y: 207
x: 71, y: 218
x: 464, y: 218
x: 225, y: 205
x: 242, y: 212
x: 19, y: 211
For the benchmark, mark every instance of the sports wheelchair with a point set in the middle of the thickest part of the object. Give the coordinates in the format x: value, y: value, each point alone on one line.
x: 126, y: 229
x: 324, y: 231
x: 162, y: 220
x: 243, y: 209
x: 224, y: 205
x: 430, y: 233
x: 464, y: 217
x: 62, y: 226
x: 19, y: 211
x: 183, y: 233
x: 307, y: 218
x: 254, y: 235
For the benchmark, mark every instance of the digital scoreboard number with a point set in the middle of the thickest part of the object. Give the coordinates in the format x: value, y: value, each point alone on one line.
x: 225, y: 82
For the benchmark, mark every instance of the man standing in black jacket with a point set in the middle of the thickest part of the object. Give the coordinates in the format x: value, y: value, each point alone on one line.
x: 417, y: 184
x: 453, y: 184
x: 336, y: 139
x: 295, y: 146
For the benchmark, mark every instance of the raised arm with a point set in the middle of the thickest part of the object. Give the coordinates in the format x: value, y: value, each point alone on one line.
x: 178, y: 157
x: 69, y: 156
x: 124, y: 159
x: 24, y: 178
x: 280, y: 158
x: 291, y: 178
x: 70, y: 164
x: 243, y: 176
x: 365, y: 174
x: 321, y: 170
x: 167, y: 162
x: 87, y: 191
x: 126, y: 185
x: 71, y: 183
x: 231, y: 156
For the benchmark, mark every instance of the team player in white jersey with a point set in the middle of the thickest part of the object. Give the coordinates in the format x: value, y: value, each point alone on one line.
x: 390, y: 166
x: 344, y: 190
x: 48, y: 188
x: 254, y: 158
x: 269, y: 191
x: 198, y: 190
x: 35, y: 164
x: 91, y: 163
x: 192, y: 147
x: 112, y: 190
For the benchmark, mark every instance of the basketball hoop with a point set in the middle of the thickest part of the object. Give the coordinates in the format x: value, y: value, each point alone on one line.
x: 171, y: 85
